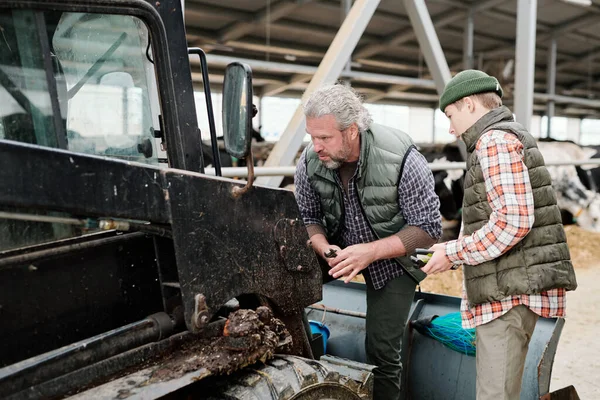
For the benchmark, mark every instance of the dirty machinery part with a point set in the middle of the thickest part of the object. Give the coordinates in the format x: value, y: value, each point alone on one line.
x: 235, y: 360
x: 294, y: 378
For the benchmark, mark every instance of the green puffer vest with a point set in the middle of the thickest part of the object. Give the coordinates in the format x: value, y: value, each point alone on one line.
x: 539, y: 262
x: 382, y: 153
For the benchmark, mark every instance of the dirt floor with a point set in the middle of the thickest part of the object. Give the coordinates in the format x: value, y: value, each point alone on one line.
x: 577, y: 359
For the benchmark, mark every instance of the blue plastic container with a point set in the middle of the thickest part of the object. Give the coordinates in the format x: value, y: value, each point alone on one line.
x: 318, y: 327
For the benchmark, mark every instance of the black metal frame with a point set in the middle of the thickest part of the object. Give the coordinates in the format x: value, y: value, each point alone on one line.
x: 223, y: 246
x: 209, y: 109
x: 210, y: 225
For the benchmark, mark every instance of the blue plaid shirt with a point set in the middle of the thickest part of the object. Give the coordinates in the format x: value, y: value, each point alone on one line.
x: 416, y: 198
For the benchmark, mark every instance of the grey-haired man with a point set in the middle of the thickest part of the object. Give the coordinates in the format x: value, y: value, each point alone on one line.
x: 364, y: 190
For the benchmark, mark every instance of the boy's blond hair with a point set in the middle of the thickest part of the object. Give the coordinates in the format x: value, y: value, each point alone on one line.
x: 489, y: 100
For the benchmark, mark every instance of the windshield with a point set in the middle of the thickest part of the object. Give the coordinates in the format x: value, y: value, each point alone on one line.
x: 77, y: 81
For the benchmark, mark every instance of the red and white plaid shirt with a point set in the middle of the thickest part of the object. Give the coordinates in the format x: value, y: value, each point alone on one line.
x: 510, y: 196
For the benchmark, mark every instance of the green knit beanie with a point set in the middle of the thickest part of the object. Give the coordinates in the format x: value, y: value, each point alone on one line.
x: 466, y: 83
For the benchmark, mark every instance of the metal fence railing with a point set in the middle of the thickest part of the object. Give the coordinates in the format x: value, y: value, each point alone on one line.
x: 242, y: 172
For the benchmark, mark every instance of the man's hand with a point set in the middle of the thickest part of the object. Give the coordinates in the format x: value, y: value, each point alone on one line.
x: 327, y: 250
x: 350, y: 261
x: 321, y: 246
x: 438, y: 262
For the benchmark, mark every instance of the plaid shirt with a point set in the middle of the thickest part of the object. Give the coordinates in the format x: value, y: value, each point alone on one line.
x: 416, y: 198
x: 510, y: 196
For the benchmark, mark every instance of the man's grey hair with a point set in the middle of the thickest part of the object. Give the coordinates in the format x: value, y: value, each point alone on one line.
x: 342, y: 102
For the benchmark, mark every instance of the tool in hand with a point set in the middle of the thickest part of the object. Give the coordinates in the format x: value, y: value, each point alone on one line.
x: 421, y: 257
x: 332, y: 253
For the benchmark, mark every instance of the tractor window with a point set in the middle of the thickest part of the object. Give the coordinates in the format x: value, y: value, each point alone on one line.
x: 76, y: 81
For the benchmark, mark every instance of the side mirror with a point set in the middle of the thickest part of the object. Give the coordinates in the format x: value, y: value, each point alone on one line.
x: 237, y: 109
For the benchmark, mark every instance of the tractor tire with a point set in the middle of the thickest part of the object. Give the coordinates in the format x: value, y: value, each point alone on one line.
x: 295, y: 378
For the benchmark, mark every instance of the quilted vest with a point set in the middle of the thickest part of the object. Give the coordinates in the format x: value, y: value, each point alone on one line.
x: 540, y: 261
x: 382, y: 153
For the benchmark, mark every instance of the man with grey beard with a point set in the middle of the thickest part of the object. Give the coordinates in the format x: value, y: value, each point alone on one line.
x: 365, y: 192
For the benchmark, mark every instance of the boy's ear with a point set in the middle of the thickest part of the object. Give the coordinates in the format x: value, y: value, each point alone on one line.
x: 469, y: 103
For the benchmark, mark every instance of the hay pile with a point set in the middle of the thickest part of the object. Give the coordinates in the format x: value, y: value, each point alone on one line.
x: 449, y: 283
x: 584, y: 247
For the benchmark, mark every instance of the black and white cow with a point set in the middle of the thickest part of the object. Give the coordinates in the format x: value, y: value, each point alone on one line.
x: 448, y: 185
x: 590, y: 176
x: 572, y: 195
x: 575, y: 199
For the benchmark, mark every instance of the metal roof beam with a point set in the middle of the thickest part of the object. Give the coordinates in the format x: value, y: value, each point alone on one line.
x: 569, y: 26
x: 275, y: 89
x: 567, y: 100
x: 202, y: 11
x: 541, y: 26
x: 288, y: 68
x: 334, y: 7
x: 378, y: 95
x: 429, y: 42
x: 285, y: 150
x: 549, y: 31
x: 311, y: 30
x: 590, y: 82
x: 406, y: 35
x: 276, y: 11
x: 586, y: 56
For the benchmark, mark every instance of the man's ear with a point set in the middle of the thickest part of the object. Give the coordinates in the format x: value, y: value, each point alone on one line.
x: 354, y: 132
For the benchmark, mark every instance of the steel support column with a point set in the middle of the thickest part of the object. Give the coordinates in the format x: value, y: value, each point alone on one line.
x: 340, y: 50
x: 469, y: 32
x: 428, y: 42
x: 346, y: 7
x: 433, y: 125
x: 525, y: 61
x: 551, y: 83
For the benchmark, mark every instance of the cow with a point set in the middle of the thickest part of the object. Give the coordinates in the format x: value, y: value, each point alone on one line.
x: 590, y: 176
x: 448, y: 185
x: 572, y: 196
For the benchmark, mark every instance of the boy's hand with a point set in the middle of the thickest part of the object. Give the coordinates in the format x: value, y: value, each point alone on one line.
x: 438, y: 262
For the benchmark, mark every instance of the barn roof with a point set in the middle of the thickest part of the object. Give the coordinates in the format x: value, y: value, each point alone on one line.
x: 287, y: 39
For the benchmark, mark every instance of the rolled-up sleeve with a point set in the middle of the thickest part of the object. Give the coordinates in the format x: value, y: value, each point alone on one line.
x: 306, y: 196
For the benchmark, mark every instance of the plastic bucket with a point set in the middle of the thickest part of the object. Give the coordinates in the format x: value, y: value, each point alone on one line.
x: 318, y: 328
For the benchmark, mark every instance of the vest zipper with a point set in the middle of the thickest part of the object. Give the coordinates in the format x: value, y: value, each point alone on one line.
x: 378, y: 238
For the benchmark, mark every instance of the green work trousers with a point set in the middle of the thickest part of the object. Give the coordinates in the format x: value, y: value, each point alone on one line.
x: 387, y: 313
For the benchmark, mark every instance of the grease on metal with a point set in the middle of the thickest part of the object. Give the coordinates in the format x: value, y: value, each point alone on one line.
x: 247, y: 337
